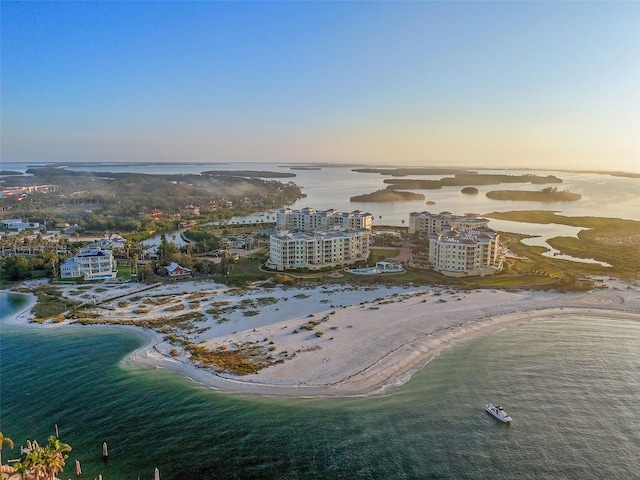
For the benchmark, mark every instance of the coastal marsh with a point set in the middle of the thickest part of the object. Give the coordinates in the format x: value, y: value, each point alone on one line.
x: 611, y: 240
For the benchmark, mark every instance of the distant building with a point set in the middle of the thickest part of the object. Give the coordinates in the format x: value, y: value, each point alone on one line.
x: 176, y: 271
x: 316, y: 250
x: 309, y: 219
x: 426, y: 222
x: 13, y: 195
x: 192, y: 210
x: 90, y: 264
x: 157, y: 214
x: 19, y: 192
x: 389, y: 266
x: 18, y: 225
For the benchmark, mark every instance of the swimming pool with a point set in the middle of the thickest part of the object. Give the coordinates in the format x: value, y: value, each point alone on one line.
x: 364, y: 271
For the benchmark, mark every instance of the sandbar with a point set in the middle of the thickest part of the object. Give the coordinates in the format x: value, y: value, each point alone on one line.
x: 359, y: 341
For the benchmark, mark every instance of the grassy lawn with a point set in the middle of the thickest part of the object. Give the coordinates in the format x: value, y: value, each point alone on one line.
x: 382, y: 253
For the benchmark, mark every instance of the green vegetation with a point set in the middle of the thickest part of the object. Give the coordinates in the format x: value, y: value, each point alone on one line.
x: 4, y: 441
x: 51, y: 305
x: 387, y: 196
x: 460, y: 178
x: 203, y: 240
x: 160, y: 324
x: 404, y: 171
x: 136, y: 206
x: 548, y: 194
x: 18, y: 267
x: 118, y: 202
x: 379, y: 254
x: 611, y: 240
x: 248, y: 174
x: 175, y: 308
x: 239, y: 359
x: 38, y: 462
x: 469, y: 178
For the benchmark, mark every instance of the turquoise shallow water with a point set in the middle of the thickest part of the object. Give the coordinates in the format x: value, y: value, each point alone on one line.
x: 572, y: 386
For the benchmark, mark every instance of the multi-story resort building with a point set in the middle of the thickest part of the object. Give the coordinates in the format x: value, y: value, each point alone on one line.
x: 464, y: 252
x: 316, y: 250
x: 309, y: 219
x: 425, y: 222
x: 457, y: 244
x: 91, y: 264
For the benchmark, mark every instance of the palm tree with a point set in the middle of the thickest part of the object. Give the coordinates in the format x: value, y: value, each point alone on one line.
x: 4, y: 243
x: 54, y: 456
x: 43, y: 463
x: 21, y: 467
x: 4, y: 440
x: 35, y: 464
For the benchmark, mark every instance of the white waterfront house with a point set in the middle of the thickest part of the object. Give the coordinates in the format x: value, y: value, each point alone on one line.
x: 316, y: 250
x: 310, y: 219
x: 90, y: 264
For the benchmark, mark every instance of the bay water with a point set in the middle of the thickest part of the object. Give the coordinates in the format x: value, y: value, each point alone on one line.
x: 572, y: 386
x: 333, y: 186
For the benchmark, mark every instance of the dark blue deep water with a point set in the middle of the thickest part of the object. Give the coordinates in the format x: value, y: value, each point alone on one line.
x: 572, y: 386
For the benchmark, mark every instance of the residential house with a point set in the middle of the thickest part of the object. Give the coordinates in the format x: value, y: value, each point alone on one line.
x: 90, y: 264
x: 176, y: 271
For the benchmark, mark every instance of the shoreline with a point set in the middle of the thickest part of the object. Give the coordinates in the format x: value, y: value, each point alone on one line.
x: 391, y: 371
x: 367, y: 342
x: 23, y: 316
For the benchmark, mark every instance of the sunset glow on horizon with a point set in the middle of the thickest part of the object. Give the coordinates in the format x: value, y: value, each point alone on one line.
x: 479, y: 84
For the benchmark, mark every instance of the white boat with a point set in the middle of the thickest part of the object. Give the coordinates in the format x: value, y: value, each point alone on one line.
x: 498, y: 412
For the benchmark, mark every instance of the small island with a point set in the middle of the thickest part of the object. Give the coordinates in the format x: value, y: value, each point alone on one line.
x: 548, y: 194
x: 387, y: 196
x: 305, y: 168
x: 470, y: 190
x: 247, y: 174
x: 468, y: 179
x: 404, y: 171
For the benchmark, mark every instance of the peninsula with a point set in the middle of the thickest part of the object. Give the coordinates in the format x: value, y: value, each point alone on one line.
x: 310, y: 341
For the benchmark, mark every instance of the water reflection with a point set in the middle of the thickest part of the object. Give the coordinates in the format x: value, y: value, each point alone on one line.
x: 541, y: 233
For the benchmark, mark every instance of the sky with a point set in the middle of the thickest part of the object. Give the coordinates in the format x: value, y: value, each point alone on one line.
x: 495, y: 84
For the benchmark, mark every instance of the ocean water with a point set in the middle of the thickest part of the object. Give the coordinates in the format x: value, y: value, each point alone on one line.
x: 572, y: 386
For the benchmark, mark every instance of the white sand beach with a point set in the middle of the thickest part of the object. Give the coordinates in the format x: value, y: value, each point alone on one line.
x: 331, y: 340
